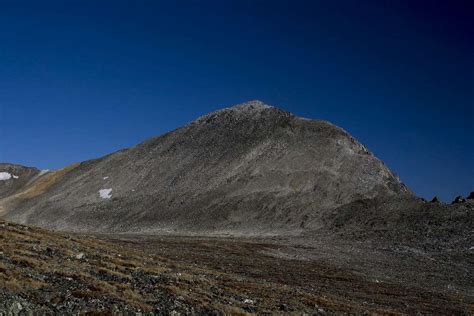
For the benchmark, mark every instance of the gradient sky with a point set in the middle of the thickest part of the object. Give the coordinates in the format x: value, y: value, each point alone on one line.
x: 80, y: 79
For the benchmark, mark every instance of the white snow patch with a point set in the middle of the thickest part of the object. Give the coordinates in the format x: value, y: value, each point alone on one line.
x: 5, y: 176
x: 105, y: 178
x: 14, y: 177
x: 472, y: 248
x: 105, y: 193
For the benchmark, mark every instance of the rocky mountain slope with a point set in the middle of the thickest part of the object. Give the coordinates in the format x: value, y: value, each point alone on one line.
x: 246, y: 169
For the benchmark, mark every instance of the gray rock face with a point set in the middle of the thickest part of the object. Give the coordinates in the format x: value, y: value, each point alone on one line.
x: 250, y: 169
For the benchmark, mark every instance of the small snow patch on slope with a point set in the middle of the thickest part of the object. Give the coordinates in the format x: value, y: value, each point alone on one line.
x: 5, y: 176
x: 105, y: 193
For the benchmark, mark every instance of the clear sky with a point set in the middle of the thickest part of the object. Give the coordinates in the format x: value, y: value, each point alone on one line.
x: 80, y: 79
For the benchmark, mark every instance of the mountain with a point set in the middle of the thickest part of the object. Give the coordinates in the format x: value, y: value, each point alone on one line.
x: 328, y: 227
x: 247, y: 169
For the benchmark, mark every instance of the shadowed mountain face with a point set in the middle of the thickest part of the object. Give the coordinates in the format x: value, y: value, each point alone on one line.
x: 250, y: 169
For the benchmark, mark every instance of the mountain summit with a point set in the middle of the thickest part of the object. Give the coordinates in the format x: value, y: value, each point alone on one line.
x: 250, y: 168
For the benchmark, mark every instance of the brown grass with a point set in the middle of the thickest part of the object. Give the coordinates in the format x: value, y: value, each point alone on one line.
x: 16, y: 285
x: 114, y: 272
x: 43, y: 183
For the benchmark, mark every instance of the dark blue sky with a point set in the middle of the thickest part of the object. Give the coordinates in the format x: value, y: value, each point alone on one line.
x: 80, y: 79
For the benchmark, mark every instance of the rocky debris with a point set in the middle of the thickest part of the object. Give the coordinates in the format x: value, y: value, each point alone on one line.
x: 34, y: 282
x: 141, y: 282
x: 400, y: 221
x: 283, y: 307
x: 80, y: 256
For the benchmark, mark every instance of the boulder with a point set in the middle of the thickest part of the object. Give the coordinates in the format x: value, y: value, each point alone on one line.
x: 458, y: 199
x: 435, y: 200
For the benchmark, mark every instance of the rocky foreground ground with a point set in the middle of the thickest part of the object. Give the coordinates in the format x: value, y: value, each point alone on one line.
x: 56, y: 273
